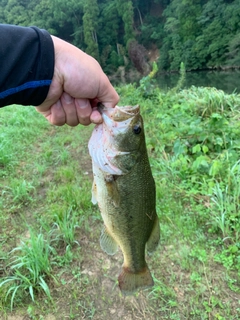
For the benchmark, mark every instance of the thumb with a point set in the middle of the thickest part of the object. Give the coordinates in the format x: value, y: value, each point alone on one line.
x: 107, y: 95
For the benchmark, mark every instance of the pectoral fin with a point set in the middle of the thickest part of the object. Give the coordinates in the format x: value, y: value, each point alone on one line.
x: 94, y: 193
x: 154, y: 238
x: 112, y: 189
x: 107, y: 242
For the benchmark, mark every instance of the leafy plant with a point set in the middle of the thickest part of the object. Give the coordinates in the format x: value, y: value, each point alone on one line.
x: 65, y: 227
x: 181, y: 80
x: 6, y: 155
x: 225, y: 214
x: 21, y: 191
x: 29, y: 269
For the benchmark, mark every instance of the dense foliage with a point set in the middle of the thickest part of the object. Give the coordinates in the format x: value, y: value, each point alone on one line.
x: 200, y: 33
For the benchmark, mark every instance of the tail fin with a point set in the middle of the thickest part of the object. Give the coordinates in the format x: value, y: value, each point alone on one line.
x: 129, y: 282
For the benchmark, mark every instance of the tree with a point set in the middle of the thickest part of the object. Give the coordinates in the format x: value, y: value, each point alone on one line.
x: 108, y: 38
x: 234, y: 51
x: 125, y: 10
x: 200, y: 33
x: 68, y: 20
x: 215, y: 35
x: 181, y: 28
x: 90, y: 24
x: 18, y: 12
x: 3, y: 4
x: 43, y: 17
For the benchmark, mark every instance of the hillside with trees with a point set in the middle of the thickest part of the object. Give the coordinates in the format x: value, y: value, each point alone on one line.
x: 201, y: 33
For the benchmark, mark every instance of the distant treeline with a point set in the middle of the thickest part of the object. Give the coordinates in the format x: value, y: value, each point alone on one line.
x: 202, y: 34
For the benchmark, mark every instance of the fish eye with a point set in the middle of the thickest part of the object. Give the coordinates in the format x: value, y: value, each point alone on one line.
x: 137, y: 129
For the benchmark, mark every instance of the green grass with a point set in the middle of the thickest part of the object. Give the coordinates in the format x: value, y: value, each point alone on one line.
x: 51, y: 263
x: 28, y: 269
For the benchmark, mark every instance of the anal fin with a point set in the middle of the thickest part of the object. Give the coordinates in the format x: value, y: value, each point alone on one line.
x: 154, y: 238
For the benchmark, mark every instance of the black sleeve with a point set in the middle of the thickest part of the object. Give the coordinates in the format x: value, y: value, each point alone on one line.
x: 26, y: 65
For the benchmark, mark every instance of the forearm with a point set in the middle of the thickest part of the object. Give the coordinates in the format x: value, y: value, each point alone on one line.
x: 27, y: 65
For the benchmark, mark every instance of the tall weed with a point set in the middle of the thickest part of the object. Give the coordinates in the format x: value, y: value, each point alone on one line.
x: 29, y: 269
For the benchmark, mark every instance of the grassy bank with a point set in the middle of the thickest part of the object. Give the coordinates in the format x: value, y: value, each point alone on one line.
x: 51, y: 264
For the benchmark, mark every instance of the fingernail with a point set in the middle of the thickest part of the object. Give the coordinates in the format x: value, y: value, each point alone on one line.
x: 82, y: 103
x: 67, y: 98
x: 58, y: 104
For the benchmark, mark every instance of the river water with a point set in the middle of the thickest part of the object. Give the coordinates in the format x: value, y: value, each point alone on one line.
x: 228, y: 81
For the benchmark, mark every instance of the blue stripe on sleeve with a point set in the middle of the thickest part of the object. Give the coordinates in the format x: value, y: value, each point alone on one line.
x: 27, y: 85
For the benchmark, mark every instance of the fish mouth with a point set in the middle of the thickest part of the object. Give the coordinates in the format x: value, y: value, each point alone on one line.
x: 124, y: 113
x: 119, y: 113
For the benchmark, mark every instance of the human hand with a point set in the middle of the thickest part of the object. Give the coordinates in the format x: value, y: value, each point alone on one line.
x: 77, y: 86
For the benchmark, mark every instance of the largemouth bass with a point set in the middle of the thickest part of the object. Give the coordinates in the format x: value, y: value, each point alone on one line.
x: 124, y: 189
